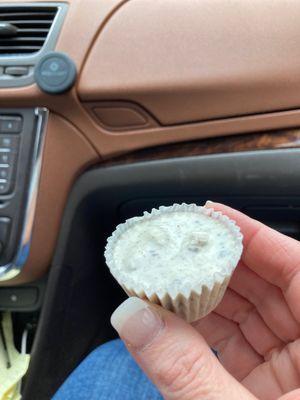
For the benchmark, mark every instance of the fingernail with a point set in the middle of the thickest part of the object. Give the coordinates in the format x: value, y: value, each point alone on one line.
x: 208, y: 203
x: 137, y: 322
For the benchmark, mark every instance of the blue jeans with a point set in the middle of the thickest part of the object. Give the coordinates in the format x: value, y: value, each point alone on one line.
x: 108, y: 373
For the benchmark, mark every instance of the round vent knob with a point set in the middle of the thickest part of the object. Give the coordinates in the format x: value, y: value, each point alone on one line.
x: 55, y: 73
x: 8, y: 30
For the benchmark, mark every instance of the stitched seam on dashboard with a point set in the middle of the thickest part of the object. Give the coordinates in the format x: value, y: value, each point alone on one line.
x: 100, y: 29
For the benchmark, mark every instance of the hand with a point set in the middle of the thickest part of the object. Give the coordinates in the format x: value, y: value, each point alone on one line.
x: 255, y: 329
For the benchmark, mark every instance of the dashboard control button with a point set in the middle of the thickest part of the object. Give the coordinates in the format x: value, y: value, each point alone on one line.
x: 6, y: 142
x: 6, y: 158
x: 10, y: 124
x: 55, y: 73
x: 4, y: 173
x: 17, y: 70
x: 4, y: 186
x: 9, y: 143
x: 18, y: 297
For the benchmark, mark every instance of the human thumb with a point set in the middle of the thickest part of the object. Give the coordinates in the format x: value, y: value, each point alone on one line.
x: 174, y: 355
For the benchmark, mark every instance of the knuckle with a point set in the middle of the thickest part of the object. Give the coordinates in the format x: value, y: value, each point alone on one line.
x: 180, y: 374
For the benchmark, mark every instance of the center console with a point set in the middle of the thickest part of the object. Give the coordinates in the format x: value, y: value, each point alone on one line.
x: 21, y: 144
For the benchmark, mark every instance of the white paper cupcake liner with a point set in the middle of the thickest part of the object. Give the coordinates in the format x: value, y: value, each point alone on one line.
x: 192, y: 308
x: 191, y: 302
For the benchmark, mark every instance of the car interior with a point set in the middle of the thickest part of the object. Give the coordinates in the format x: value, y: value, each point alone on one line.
x: 110, y: 108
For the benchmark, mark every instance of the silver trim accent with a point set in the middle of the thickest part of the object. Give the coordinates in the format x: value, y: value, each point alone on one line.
x: 30, y: 60
x: 12, y: 269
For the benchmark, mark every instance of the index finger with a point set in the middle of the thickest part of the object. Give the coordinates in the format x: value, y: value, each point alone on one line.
x: 270, y: 254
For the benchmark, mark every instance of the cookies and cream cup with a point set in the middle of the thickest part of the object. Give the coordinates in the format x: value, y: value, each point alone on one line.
x: 181, y: 257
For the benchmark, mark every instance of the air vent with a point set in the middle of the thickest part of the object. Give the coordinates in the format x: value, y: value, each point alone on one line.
x: 24, y: 30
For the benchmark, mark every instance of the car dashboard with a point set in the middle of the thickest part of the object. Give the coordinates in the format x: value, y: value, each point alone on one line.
x: 110, y: 108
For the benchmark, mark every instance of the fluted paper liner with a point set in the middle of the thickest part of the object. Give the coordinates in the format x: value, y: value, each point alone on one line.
x: 193, y: 302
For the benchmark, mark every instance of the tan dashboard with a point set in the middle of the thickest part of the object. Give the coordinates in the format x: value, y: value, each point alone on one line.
x: 158, y: 72
x: 191, y: 61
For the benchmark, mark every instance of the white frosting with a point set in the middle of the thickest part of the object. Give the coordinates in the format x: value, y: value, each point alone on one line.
x: 174, y: 250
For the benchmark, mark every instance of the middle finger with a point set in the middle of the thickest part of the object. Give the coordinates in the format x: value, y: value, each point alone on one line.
x: 268, y: 300
x: 237, y: 309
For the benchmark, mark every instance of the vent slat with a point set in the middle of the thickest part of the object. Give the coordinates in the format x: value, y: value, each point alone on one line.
x: 24, y: 31
x: 29, y: 22
x: 21, y: 47
x: 33, y: 25
x: 27, y: 15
